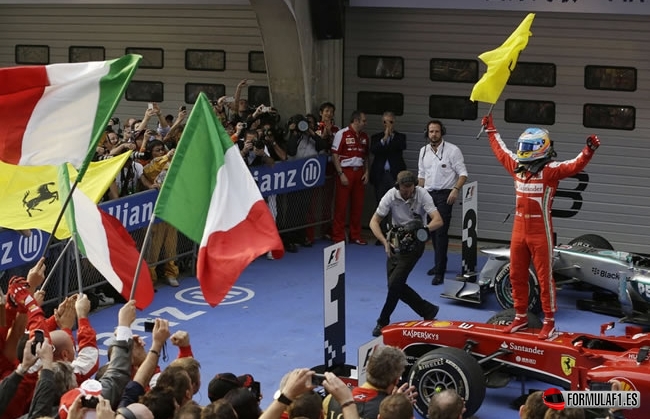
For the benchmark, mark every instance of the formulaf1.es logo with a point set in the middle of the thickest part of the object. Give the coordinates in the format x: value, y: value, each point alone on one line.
x: 334, y: 258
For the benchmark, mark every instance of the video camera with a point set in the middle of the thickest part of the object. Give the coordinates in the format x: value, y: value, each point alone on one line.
x: 407, y: 237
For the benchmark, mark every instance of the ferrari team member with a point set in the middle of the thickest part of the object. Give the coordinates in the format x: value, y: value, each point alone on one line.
x: 409, y: 205
x: 536, y: 178
x: 350, y: 159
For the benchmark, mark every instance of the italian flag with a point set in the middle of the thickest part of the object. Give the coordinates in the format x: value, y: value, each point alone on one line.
x: 105, y: 242
x: 210, y: 196
x: 57, y: 113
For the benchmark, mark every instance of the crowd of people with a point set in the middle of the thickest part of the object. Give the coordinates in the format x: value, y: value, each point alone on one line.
x: 47, y: 371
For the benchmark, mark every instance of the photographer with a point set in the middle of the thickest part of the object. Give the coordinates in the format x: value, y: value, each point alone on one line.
x: 303, y: 142
x: 253, y: 150
x: 273, y: 141
x: 409, y: 205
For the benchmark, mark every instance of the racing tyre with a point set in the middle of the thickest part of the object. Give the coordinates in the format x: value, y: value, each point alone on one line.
x: 592, y: 240
x: 503, y: 289
x: 506, y: 317
x: 448, y: 368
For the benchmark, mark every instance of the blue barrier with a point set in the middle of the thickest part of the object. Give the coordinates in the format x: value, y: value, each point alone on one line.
x: 134, y: 211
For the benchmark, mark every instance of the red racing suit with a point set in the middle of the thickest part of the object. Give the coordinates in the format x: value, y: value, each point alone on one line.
x: 352, y: 150
x: 532, y: 231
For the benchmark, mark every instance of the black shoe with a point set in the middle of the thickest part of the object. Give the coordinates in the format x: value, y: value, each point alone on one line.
x: 431, y: 271
x: 437, y: 280
x: 432, y: 312
x: 292, y: 248
x: 307, y: 243
x: 378, y: 243
x: 377, y: 330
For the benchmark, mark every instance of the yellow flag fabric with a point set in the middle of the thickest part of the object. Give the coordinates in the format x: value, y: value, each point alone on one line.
x: 500, y: 63
x: 30, y: 198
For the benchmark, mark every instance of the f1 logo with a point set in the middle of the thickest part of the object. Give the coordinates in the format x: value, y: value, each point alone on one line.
x: 334, y: 256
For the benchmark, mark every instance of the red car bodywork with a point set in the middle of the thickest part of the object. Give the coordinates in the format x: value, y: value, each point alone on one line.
x: 570, y: 360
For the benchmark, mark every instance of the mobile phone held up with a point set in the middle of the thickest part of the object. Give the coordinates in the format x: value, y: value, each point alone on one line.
x: 150, y: 105
x: 39, y: 337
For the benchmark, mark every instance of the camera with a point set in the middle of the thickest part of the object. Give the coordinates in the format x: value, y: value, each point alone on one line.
x: 89, y: 402
x: 266, y: 109
x: 256, y: 389
x: 148, y: 325
x: 303, y: 125
x: 39, y: 337
x: 317, y: 379
x: 183, y: 108
x: 407, y: 237
x: 258, y: 143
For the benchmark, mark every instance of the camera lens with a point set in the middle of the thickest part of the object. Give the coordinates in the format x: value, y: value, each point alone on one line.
x: 303, y: 125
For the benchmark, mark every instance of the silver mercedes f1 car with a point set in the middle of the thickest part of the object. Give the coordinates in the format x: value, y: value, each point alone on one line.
x: 620, y: 281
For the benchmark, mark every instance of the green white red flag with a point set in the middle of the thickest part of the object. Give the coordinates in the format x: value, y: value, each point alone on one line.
x: 210, y: 196
x: 57, y: 113
x: 105, y: 242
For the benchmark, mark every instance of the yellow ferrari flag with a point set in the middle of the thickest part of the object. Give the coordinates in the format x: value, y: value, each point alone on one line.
x: 500, y: 63
x: 30, y: 198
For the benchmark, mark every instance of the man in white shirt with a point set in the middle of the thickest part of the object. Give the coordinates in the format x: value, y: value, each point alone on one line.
x: 442, y: 172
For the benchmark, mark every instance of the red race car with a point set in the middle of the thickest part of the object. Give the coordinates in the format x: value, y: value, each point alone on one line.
x: 471, y: 356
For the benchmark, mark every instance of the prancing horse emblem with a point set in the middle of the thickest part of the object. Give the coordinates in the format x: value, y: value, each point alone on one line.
x: 568, y: 362
x: 43, y: 193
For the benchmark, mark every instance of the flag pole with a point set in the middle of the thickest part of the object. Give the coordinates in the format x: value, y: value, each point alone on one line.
x: 56, y: 263
x: 60, y: 216
x: 77, y: 259
x: 482, y: 127
x: 145, y: 244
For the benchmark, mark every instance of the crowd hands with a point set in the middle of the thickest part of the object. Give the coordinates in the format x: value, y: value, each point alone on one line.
x: 261, y: 135
x: 46, y: 371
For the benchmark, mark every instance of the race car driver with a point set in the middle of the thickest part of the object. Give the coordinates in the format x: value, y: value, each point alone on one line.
x: 536, y: 178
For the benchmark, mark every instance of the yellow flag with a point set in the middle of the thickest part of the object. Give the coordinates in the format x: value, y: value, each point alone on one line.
x: 30, y: 198
x: 500, y: 63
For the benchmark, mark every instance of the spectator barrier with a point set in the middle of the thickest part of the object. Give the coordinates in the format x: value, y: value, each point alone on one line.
x: 303, y: 197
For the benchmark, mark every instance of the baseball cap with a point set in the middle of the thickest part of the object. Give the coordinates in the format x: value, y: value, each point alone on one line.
x: 88, y: 388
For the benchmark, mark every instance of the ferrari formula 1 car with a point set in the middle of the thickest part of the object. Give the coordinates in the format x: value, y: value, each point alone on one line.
x: 621, y: 279
x: 471, y: 356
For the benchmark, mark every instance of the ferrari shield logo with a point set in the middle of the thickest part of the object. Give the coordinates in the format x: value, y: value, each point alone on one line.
x: 568, y: 362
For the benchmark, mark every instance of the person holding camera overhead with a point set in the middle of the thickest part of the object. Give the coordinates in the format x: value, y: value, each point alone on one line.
x: 442, y: 172
x: 409, y: 205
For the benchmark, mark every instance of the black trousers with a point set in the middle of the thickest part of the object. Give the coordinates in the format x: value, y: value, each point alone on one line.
x: 440, y: 237
x: 398, y: 268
